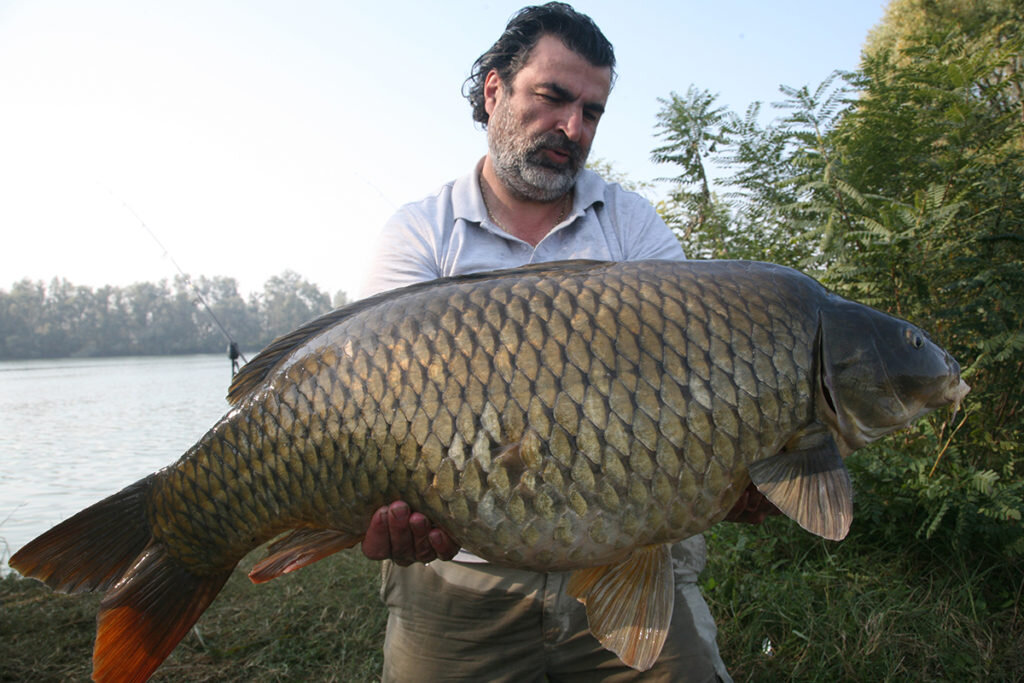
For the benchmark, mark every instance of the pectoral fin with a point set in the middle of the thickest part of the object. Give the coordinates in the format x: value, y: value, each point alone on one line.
x: 810, y: 485
x: 629, y: 605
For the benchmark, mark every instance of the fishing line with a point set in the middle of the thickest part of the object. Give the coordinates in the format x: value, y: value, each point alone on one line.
x: 233, y: 346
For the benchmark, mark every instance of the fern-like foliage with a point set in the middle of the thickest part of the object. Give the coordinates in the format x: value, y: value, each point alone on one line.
x: 898, y: 185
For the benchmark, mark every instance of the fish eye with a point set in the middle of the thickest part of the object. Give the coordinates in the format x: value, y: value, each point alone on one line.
x: 914, y: 337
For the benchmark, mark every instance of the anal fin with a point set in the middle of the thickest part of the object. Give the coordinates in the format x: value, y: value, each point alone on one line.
x: 629, y: 604
x: 298, y: 549
x: 810, y: 485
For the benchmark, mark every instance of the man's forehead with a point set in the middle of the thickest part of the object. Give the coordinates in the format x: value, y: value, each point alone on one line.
x: 550, y: 61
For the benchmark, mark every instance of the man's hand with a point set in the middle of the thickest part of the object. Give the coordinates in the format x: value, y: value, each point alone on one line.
x: 752, y: 508
x: 397, y: 534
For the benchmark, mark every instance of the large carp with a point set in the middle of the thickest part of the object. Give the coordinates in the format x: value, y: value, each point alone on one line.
x: 575, y: 415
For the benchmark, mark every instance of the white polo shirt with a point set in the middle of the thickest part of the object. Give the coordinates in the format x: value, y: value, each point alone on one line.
x: 449, y: 233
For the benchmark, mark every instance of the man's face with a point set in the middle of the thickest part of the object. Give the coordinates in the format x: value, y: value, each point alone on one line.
x: 542, y: 124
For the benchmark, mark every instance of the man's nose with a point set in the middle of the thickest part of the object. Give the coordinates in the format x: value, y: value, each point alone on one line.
x: 572, y: 123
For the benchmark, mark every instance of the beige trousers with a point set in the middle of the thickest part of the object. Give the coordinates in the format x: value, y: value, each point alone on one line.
x: 455, y: 621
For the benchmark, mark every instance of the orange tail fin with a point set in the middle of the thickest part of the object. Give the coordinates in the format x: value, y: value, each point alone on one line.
x: 151, y: 601
x: 146, y: 614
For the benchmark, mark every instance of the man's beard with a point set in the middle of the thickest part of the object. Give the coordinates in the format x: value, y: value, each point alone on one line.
x: 521, y: 164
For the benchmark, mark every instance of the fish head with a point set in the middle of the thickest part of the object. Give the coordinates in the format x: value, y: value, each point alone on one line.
x: 878, y: 374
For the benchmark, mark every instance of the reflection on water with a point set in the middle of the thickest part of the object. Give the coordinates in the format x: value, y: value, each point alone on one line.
x: 75, y: 431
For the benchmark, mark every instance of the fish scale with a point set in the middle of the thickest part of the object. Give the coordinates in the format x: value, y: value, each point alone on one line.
x: 576, y: 415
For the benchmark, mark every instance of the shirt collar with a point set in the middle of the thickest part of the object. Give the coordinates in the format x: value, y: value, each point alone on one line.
x: 468, y: 202
x: 589, y: 191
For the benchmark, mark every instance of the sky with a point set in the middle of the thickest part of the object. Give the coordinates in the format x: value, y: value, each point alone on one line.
x: 243, y: 139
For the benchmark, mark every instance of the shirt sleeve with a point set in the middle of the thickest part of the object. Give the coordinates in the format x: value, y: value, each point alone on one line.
x: 645, y: 234
x: 406, y: 252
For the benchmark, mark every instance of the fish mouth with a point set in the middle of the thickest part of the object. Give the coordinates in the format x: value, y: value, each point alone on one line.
x: 954, y: 394
x: 885, y: 401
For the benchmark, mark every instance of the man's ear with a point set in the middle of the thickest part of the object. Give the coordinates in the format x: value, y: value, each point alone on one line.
x: 492, y: 84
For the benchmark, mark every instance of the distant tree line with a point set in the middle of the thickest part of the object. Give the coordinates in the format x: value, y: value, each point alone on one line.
x: 65, y: 320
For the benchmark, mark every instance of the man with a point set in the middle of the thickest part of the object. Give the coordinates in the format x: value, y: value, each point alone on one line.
x: 540, y: 91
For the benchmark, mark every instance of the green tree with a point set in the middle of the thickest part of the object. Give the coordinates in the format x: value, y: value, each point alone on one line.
x: 222, y: 313
x: 147, y: 313
x: 692, y: 128
x: 22, y: 316
x: 749, y: 214
x: 934, y: 145
x: 288, y: 301
x: 340, y: 298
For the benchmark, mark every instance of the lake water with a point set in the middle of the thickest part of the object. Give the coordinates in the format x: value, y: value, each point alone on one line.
x: 75, y: 431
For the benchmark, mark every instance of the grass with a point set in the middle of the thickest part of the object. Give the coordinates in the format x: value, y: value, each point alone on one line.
x: 323, y: 623
x: 789, y: 606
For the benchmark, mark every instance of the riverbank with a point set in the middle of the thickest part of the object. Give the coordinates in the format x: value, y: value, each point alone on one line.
x: 789, y: 607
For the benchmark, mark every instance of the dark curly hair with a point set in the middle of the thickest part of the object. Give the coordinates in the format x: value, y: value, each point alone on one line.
x: 508, y: 55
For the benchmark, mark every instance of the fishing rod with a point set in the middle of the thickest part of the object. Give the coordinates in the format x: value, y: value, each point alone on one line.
x: 233, y: 351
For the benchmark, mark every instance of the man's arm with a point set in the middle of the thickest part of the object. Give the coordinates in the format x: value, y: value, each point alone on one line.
x: 642, y: 232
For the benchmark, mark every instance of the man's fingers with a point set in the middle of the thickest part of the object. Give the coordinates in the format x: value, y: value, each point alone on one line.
x: 396, y: 533
x: 420, y: 527
x: 377, y: 542
x: 443, y: 544
x: 403, y: 549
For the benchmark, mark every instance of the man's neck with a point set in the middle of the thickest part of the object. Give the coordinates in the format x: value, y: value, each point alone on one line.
x: 530, y: 221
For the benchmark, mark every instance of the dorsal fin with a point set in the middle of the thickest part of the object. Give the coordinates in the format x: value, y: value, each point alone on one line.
x: 253, y: 373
